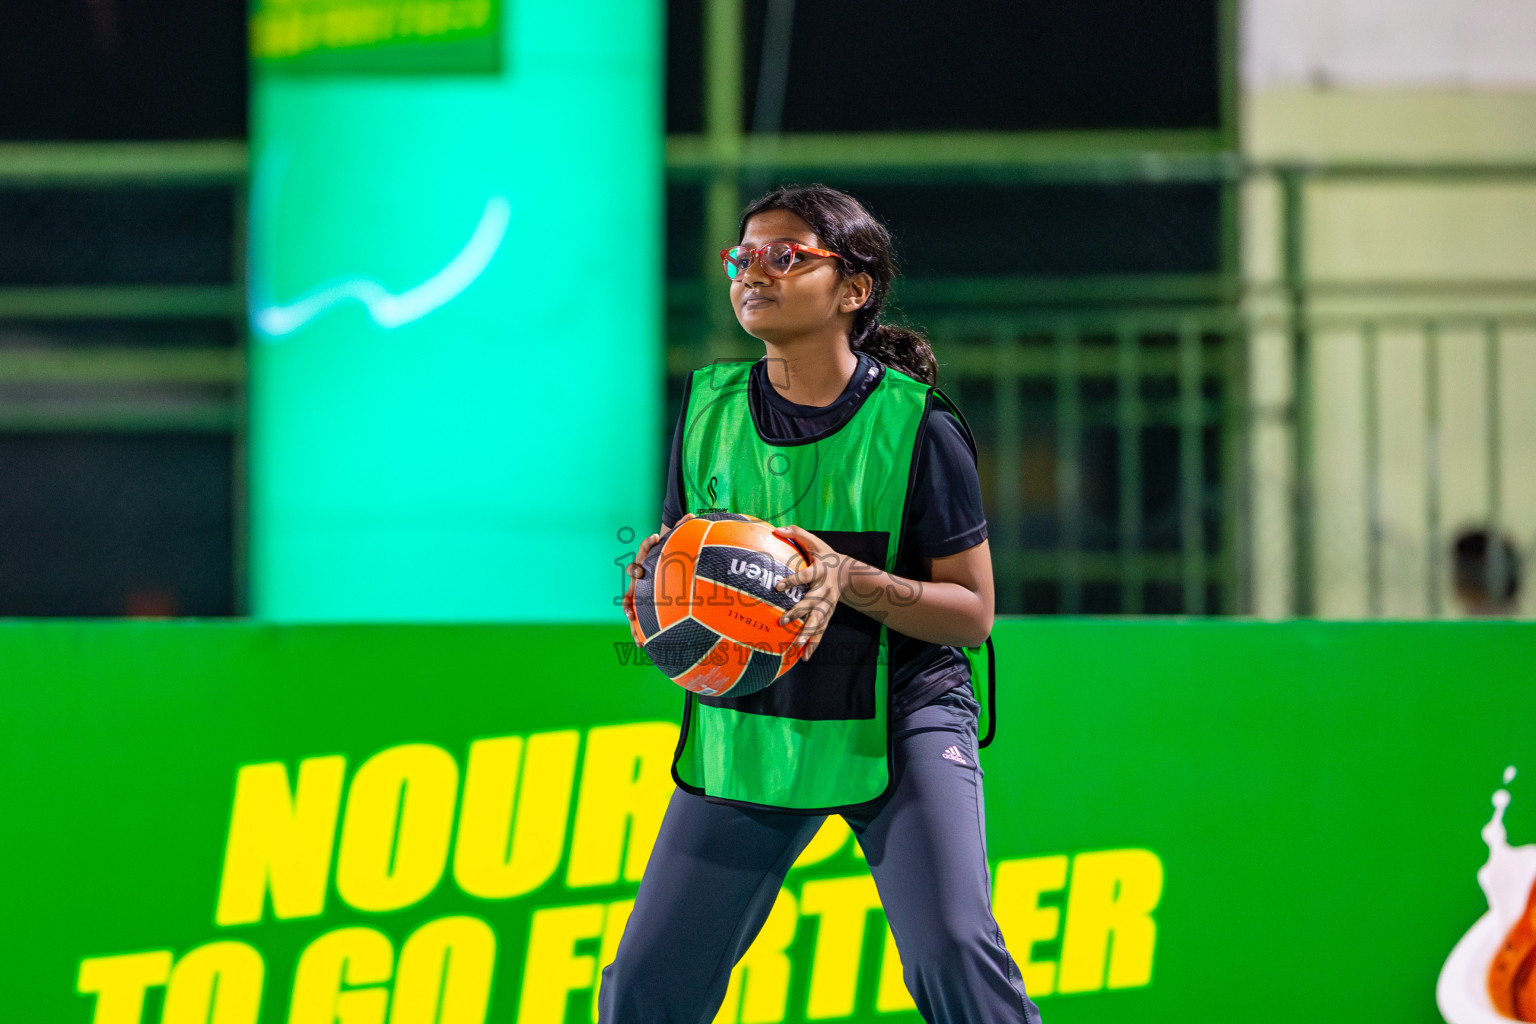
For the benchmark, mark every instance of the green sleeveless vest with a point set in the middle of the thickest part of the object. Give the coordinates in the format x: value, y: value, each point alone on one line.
x: 817, y: 740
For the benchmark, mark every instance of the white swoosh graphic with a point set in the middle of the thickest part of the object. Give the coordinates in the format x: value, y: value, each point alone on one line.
x: 389, y: 310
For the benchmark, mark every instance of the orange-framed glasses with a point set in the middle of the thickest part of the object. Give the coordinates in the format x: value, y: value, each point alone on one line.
x: 776, y: 258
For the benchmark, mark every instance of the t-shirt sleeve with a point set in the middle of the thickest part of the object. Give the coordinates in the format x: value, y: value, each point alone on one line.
x: 946, y: 515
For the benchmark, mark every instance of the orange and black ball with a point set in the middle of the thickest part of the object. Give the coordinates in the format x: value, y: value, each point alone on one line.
x: 706, y: 611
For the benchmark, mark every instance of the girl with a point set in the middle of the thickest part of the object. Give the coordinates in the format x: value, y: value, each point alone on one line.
x: 838, y: 433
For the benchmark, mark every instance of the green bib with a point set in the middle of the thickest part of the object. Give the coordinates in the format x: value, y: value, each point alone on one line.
x: 817, y: 740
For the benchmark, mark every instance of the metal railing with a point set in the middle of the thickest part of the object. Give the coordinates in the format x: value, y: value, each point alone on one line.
x: 1115, y: 414
x: 46, y: 371
x: 86, y: 357
x: 1063, y: 360
x: 1068, y: 407
x: 1469, y: 322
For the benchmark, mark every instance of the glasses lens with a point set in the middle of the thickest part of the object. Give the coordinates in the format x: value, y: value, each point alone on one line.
x: 779, y: 258
x: 734, y: 261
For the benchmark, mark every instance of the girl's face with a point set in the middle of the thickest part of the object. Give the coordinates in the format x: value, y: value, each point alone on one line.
x: 808, y: 300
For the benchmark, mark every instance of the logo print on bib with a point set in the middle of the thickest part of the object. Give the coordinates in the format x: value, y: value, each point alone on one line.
x: 713, y: 497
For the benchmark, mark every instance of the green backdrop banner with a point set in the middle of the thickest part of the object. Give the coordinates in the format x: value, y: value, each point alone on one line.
x: 1196, y: 821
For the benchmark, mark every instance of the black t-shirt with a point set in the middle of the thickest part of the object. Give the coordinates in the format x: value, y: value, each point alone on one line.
x: 945, y: 516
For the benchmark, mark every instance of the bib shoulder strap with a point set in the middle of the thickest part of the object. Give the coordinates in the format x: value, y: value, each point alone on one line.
x: 722, y: 374
x: 986, y: 694
x: 965, y: 428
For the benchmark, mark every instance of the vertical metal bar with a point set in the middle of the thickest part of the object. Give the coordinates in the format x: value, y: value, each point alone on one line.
x: 1229, y: 63
x: 1069, y: 424
x: 239, y: 497
x: 723, y: 130
x: 722, y: 76
x: 1236, y: 458
x: 1129, y: 419
x: 1191, y: 475
x: 1007, y: 445
x: 1228, y: 47
x: 1498, y: 569
x: 1374, y: 530
x: 773, y: 72
x: 1432, y: 463
x: 1293, y: 244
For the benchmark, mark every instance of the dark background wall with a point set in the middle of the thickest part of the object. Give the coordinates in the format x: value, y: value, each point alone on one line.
x: 123, y: 69
x: 995, y: 65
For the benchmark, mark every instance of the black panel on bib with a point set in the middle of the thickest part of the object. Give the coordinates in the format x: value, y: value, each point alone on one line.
x: 839, y: 681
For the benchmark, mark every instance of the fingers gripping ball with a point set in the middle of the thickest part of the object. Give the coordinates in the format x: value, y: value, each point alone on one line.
x: 706, y: 612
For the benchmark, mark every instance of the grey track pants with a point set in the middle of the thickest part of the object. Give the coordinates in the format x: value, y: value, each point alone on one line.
x: 715, y: 871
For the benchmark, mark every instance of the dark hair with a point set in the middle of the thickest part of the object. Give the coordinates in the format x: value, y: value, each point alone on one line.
x: 843, y: 225
x: 1472, y: 561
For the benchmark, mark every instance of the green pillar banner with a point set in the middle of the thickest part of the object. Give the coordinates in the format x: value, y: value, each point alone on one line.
x: 455, y: 288
x: 372, y: 824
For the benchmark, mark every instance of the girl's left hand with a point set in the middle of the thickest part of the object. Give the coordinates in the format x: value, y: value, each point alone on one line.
x: 823, y: 579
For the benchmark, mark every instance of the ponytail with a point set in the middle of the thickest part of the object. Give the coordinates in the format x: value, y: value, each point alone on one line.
x: 901, y: 348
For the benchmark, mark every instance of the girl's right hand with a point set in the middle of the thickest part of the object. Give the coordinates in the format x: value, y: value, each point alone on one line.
x: 635, y: 570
